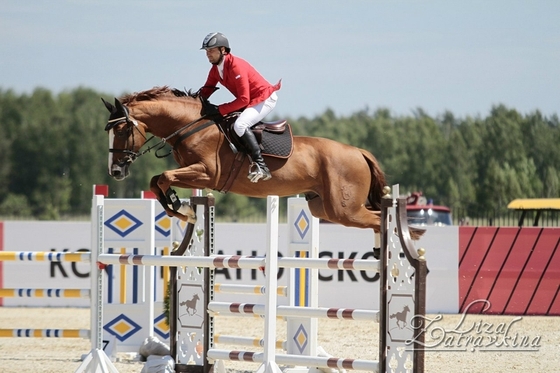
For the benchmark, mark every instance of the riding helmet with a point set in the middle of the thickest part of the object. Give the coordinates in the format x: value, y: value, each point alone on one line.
x: 214, y: 40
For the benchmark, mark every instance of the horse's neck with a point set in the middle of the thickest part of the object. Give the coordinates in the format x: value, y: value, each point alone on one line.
x: 186, y: 130
x: 166, y: 118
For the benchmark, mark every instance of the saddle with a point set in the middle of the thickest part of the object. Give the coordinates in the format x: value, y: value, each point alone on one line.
x: 274, y: 138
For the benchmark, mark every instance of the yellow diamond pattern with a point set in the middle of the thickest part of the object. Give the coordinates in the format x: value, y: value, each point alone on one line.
x: 164, y: 223
x: 300, y: 338
x: 302, y: 224
x: 121, y: 327
x: 123, y: 223
x: 162, y: 326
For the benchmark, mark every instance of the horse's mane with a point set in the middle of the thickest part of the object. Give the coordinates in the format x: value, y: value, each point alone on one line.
x: 155, y: 93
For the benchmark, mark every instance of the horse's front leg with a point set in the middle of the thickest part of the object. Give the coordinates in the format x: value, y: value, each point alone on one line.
x: 171, y: 203
x: 193, y: 176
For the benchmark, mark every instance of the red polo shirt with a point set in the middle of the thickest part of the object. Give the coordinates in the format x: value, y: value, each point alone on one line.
x: 242, y: 80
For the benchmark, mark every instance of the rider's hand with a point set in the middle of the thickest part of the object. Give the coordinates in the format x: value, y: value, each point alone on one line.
x: 211, y: 111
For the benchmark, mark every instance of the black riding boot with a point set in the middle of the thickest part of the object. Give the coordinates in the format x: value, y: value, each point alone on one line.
x: 262, y: 171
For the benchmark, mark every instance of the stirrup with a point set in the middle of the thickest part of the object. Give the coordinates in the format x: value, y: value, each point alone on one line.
x: 258, y: 174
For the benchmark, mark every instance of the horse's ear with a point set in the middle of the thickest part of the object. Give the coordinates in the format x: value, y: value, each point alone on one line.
x: 109, y: 107
x: 121, y: 108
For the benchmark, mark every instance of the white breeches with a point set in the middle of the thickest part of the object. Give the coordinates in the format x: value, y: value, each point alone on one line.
x: 253, y: 114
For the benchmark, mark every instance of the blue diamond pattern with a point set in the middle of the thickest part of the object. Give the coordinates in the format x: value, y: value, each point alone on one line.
x: 162, y: 333
x: 134, y: 223
x: 164, y: 232
x: 122, y: 318
x: 300, y: 331
x: 182, y: 225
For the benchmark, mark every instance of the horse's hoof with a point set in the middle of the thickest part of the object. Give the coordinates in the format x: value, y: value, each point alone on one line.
x: 188, y: 218
x: 187, y: 211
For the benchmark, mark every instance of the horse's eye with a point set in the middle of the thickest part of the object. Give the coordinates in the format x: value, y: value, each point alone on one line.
x: 120, y: 132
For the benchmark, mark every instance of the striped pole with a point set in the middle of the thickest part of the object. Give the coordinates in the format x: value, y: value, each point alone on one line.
x: 298, y: 360
x: 325, y: 263
x: 48, y: 293
x: 241, y: 309
x: 35, y: 256
x: 220, y: 261
x: 248, y: 289
x: 45, y: 333
x: 236, y: 261
x: 246, y: 341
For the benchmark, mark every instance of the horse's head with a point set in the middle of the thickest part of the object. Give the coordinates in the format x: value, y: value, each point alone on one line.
x: 126, y: 138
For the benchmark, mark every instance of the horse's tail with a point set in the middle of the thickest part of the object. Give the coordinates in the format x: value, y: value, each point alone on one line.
x: 378, y: 181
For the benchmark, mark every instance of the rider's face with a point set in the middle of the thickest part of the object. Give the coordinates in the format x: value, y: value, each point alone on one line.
x: 213, y: 55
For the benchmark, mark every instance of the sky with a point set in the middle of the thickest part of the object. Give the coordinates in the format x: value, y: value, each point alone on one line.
x: 346, y: 56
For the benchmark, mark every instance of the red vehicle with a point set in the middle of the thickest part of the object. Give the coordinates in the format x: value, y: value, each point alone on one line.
x: 421, y: 211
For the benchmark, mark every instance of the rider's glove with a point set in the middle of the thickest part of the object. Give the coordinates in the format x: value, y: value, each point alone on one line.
x: 211, y: 111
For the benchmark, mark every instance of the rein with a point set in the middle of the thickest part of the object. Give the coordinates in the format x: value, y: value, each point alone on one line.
x: 132, y: 155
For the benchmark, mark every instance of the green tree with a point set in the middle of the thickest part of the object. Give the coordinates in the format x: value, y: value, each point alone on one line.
x: 15, y: 205
x: 53, y: 149
x: 86, y: 145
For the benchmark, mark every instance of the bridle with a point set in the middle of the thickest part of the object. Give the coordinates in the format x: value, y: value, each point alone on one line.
x: 132, y: 124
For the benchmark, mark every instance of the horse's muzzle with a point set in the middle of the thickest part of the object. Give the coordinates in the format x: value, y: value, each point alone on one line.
x: 119, y: 172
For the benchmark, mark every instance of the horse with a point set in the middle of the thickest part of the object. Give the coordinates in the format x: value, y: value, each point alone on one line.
x: 191, y: 304
x: 401, y: 317
x: 342, y: 184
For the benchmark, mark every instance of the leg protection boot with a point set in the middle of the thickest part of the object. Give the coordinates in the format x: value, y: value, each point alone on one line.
x: 261, y: 171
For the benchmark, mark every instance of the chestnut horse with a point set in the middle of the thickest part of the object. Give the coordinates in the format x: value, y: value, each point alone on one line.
x: 343, y: 184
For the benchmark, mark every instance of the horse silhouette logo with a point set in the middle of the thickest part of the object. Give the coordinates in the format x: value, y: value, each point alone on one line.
x: 191, y: 304
x: 401, y: 317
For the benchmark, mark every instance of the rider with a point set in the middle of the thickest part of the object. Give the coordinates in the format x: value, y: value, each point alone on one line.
x: 254, y: 96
